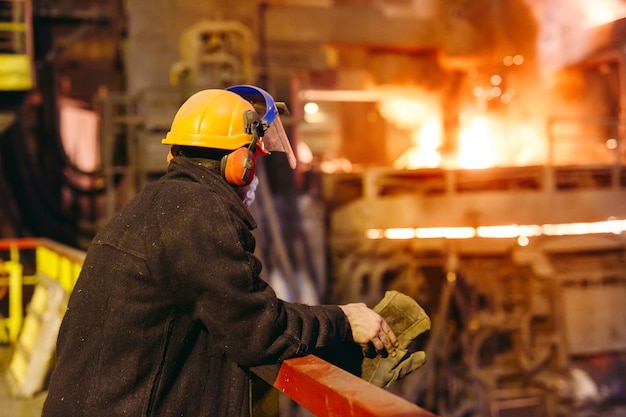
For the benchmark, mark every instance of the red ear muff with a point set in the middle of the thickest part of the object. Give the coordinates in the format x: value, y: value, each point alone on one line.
x: 238, y: 167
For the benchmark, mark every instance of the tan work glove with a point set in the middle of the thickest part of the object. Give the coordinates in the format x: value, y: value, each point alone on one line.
x: 408, y: 320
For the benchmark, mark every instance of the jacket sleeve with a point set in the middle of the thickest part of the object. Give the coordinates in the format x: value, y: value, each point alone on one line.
x: 208, y: 263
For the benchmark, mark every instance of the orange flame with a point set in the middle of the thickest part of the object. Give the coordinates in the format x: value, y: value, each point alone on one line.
x: 476, y: 145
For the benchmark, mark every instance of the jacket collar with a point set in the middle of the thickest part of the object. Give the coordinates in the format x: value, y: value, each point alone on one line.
x: 209, y: 174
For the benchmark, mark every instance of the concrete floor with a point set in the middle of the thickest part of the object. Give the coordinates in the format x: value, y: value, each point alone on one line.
x: 9, y: 405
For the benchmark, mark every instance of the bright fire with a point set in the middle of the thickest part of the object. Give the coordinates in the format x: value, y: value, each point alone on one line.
x: 424, y: 153
x: 476, y: 145
x: 483, y: 141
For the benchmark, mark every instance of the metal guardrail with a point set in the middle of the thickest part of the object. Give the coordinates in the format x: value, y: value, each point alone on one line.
x: 319, y: 386
x: 329, y: 391
x: 56, y: 261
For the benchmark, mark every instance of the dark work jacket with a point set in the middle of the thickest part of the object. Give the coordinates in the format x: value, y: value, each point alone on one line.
x: 169, y: 309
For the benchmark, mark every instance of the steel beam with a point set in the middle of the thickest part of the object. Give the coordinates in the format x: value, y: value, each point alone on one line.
x: 349, y: 25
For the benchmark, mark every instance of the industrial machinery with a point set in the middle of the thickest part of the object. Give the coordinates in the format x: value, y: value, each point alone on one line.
x: 522, y: 311
x: 516, y: 249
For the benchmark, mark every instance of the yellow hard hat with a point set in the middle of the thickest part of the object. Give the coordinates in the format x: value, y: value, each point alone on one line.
x: 211, y: 119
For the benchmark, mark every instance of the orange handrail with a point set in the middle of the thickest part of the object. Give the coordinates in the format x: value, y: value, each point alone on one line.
x: 20, y: 243
x: 329, y: 391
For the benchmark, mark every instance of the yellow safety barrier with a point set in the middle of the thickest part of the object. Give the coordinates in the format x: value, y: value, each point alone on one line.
x: 4, y: 289
x: 15, y: 72
x: 16, y: 313
x: 16, y: 60
x: 34, y: 334
x: 57, y: 265
x: 11, y: 272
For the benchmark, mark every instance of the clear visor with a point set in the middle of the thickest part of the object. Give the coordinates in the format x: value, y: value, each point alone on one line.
x: 275, y: 138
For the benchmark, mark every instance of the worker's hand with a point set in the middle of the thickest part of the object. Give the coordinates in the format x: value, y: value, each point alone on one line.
x: 370, y: 329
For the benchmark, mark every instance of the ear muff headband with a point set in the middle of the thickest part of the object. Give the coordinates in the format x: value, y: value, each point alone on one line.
x: 239, y: 166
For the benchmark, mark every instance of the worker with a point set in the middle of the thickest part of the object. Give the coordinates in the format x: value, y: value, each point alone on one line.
x: 169, y: 310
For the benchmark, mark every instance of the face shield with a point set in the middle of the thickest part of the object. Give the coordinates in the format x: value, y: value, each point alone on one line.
x: 274, y: 136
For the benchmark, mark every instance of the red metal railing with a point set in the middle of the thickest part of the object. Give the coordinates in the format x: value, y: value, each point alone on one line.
x: 329, y: 391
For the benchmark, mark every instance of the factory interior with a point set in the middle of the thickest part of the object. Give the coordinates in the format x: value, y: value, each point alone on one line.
x: 468, y: 153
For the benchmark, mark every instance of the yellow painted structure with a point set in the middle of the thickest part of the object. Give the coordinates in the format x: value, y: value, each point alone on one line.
x: 16, y: 59
x: 33, y: 332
